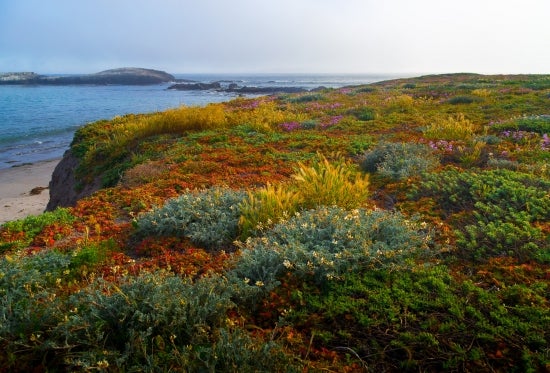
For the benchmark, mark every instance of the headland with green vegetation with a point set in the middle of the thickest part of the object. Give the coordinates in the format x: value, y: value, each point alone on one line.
x: 396, y: 226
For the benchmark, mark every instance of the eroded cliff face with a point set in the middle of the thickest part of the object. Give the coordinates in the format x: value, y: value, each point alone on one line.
x: 64, y: 188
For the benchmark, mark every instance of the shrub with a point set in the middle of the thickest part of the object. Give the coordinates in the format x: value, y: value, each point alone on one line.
x: 421, y: 318
x: 366, y: 89
x: 363, y: 113
x: 399, y: 160
x: 457, y: 128
x: 502, y: 209
x: 307, y: 98
x: 326, y: 243
x: 209, y: 218
x: 133, y: 319
x: 535, y: 123
x: 29, y: 307
x: 457, y: 100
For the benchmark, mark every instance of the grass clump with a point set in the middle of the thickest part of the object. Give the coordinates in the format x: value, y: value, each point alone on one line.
x: 451, y: 128
x: 399, y: 160
x: 265, y: 205
x: 322, y: 183
x: 264, y: 117
x: 330, y: 184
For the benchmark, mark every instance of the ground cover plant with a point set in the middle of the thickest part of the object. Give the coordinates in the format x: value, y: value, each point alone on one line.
x: 398, y: 226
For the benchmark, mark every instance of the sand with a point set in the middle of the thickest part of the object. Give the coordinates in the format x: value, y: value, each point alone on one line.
x: 17, y: 197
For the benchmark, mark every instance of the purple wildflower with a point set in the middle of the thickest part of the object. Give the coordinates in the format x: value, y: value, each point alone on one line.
x: 289, y: 126
x: 332, y: 121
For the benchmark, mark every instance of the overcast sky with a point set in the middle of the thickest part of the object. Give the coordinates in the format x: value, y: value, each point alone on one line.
x: 266, y: 36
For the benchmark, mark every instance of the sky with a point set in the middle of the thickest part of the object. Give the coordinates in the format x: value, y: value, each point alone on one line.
x: 276, y: 36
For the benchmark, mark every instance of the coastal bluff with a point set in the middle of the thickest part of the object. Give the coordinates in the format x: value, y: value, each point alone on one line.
x: 120, y: 76
x: 63, y: 185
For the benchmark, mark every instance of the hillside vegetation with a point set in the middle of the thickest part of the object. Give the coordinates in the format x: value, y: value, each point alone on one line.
x: 397, y: 226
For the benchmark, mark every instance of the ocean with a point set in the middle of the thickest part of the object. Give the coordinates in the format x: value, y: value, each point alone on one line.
x: 37, y: 123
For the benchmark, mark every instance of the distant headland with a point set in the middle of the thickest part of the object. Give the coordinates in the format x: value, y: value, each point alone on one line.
x: 120, y: 76
x: 141, y: 76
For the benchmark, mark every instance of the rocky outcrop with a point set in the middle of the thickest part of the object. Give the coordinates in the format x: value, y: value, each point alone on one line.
x: 195, y: 86
x: 6, y: 78
x: 122, y: 76
x: 63, y: 186
x: 235, y: 88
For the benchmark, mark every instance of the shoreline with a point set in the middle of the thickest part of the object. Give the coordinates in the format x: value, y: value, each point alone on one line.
x: 24, y: 190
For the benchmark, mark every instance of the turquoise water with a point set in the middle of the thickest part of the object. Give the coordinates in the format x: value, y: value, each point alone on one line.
x: 38, y: 122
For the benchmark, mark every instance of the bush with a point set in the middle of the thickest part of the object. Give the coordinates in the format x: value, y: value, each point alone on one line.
x: 457, y: 100
x: 29, y: 307
x: 536, y: 123
x: 363, y: 113
x: 209, y: 218
x: 143, y: 314
x: 307, y: 98
x: 399, y: 160
x: 423, y: 318
x: 328, y: 242
x: 146, y: 323
x: 500, y: 210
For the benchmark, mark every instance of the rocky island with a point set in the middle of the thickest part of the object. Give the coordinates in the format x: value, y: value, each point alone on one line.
x: 120, y: 76
x: 235, y: 88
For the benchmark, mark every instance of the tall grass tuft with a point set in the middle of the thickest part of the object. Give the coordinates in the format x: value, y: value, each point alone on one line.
x: 322, y: 183
x: 451, y: 128
x: 265, y: 117
x: 337, y: 184
x: 267, y: 204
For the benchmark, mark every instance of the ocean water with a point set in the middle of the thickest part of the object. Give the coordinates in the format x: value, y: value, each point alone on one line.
x: 37, y: 123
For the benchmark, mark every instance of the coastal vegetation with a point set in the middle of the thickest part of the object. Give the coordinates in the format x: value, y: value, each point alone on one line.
x: 397, y: 226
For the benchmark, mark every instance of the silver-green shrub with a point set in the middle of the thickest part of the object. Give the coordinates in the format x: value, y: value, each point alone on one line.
x: 327, y: 242
x: 399, y: 160
x: 209, y: 218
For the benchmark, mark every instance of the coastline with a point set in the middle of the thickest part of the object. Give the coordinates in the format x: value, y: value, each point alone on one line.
x: 18, y: 196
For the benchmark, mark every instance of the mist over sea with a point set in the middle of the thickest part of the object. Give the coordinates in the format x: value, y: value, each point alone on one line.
x: 37, y: 123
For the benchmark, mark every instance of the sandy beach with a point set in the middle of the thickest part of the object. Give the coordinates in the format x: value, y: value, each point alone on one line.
x: 24, y: 190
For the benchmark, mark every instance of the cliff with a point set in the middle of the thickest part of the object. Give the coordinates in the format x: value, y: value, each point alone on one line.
x: 63, y: 186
